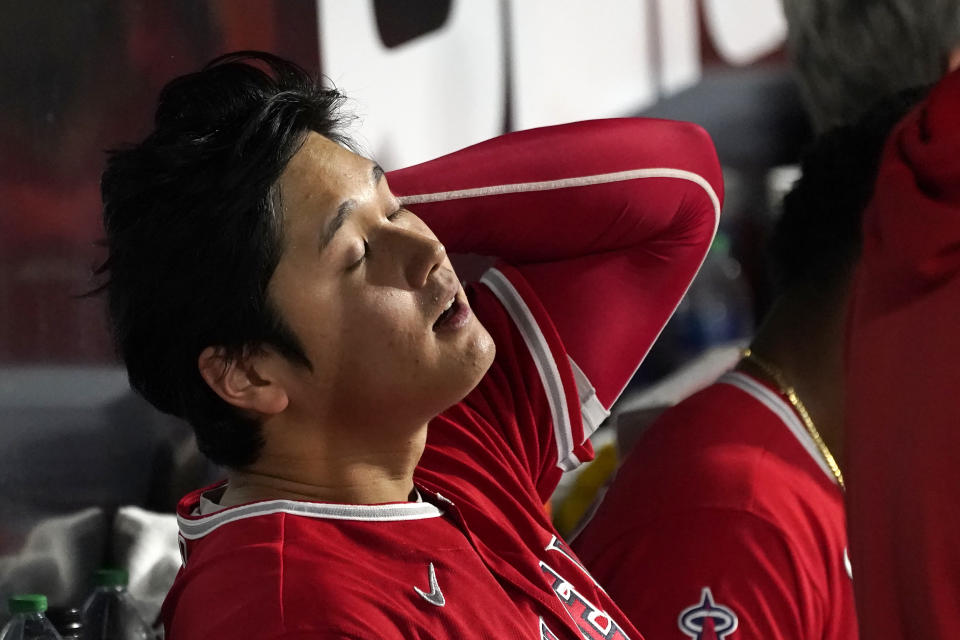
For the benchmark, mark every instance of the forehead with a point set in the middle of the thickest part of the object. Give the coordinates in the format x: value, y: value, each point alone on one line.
x: 321, y: 175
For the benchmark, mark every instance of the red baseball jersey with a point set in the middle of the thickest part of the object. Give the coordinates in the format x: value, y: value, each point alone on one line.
x: 725, y: 522
x: 600, y: 228
x: 903, y: 379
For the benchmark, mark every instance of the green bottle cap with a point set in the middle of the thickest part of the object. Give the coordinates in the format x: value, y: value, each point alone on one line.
x: 28, y: 603
x: 111, y: 578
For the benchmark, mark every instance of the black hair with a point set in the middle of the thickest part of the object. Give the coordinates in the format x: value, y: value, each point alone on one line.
x: 194, y: 232
x: 817, y: 240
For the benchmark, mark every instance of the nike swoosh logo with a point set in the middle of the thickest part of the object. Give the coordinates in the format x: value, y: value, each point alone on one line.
x: 846, y: 563
x: 435, y: 597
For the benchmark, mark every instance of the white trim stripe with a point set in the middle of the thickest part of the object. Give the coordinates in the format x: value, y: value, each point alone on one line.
x: 543, y: 359
x: 192, y: 529
x: 592, y: 410
x: 782, y: 410
x: 549, y: 185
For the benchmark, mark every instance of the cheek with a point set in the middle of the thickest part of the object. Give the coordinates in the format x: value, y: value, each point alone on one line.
x: 316, y: 325
x: 385, y: 330
x: 303, y: 298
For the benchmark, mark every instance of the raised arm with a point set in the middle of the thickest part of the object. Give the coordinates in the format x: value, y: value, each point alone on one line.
x: 607, y: 221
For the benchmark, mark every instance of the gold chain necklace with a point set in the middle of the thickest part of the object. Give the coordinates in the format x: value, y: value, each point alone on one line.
x: 791, y: 395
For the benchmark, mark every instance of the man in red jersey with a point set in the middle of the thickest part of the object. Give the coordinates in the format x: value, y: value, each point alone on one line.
x: 903, y: 377
x: 390, y: 436
x: 733, y: 499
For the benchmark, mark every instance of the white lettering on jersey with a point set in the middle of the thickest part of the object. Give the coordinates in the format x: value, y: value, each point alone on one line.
x: 557, y: 544
x: 592, y: 622
x: 545, y: 633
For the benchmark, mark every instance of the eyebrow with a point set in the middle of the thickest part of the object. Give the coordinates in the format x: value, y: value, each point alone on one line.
x: 346, y: 208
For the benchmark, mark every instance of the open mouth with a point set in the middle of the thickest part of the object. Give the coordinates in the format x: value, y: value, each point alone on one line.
x: 448, y: 311
x: 453, y: 316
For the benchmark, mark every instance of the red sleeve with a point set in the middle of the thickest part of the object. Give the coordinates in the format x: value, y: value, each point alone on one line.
x: 605, y: 224
x: 722, y: 567
x: 903, y: 351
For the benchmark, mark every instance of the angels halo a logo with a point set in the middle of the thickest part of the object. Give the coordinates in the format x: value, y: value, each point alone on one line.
x: 707, y: 620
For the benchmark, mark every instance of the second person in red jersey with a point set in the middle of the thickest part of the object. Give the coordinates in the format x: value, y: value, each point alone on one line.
x: 727, y: 518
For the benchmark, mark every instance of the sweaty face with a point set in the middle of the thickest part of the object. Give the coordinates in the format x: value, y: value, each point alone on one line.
x: 369, y: 291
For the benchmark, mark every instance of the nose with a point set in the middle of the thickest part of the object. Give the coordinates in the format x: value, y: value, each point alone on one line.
x: 419, y: 254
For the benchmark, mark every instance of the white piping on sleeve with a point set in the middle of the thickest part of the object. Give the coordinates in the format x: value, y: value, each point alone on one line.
x: 579, y: 181
x: 591, y: 409
x: 543, y: 359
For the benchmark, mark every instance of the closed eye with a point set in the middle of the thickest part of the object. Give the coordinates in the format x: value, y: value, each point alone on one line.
x: 396, y: 214
x: 363, y: 257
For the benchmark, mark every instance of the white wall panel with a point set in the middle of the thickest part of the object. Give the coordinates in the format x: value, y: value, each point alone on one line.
x: 578, y: 59
x: 441, y: 91
x: 679, y: 40
x: 745, y: 30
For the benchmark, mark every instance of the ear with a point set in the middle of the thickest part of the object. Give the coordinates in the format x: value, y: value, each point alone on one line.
x: 241, y: 381
x: 953, y: 59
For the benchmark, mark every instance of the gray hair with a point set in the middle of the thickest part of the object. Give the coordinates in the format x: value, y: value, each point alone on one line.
x: 848, y: 54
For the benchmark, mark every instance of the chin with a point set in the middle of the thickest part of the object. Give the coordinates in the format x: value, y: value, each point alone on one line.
x: 482, y: 352
x: 470, y: 369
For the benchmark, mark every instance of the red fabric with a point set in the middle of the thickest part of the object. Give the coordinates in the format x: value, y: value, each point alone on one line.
x: 297, y: 572
x: 720, y: 494
x: 902, y: 383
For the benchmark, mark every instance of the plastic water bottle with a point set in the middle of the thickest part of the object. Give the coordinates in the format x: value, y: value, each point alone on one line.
x: 67, y: 621
x: 109, y: 613
x: 29, y: 621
